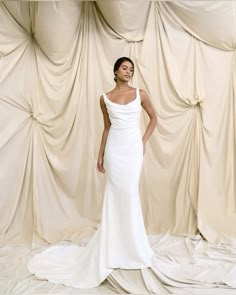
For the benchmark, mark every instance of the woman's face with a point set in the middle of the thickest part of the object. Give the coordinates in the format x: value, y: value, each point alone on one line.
x: 125, y: 71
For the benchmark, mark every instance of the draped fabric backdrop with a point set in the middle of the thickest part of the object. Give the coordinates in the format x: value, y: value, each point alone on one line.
x: 56, y: 59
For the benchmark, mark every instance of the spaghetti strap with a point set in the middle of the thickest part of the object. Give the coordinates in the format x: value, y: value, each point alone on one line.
x: 138, y: 94
x: 104, y: 96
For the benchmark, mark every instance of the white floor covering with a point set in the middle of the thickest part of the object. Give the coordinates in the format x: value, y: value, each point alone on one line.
x: 182, y: 265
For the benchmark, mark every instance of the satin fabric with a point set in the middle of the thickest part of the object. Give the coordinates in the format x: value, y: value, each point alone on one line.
x: 121, y: 240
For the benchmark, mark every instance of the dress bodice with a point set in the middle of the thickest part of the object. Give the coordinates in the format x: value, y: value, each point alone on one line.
x: 123, y: 116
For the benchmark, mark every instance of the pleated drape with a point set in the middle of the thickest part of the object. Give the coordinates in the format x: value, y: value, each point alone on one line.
x: 56, y: 58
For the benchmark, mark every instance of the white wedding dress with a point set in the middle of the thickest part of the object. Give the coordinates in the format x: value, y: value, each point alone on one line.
x: 121, y: 240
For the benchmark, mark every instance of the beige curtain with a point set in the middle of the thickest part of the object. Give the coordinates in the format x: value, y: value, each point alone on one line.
x: 56, y: 59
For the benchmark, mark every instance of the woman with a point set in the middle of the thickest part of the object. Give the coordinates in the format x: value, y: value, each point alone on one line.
x: 120, y: 241
x: 123, y: 94
x: 121, y: 155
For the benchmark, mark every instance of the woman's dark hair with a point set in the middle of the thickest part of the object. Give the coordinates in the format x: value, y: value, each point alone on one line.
x: 119, y: 62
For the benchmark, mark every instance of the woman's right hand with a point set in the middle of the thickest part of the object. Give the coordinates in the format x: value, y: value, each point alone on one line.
x: 100, y: 165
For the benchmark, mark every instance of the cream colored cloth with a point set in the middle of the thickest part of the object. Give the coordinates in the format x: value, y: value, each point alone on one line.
x: 52, y: 74
x: 55, y: 60
x: 182, y: 265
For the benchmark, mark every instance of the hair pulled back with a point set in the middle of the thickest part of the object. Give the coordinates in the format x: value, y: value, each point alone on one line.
x: 118, y: 64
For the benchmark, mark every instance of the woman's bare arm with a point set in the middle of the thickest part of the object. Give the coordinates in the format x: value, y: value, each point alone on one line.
x: 146, y: 104
x: 107, y: 125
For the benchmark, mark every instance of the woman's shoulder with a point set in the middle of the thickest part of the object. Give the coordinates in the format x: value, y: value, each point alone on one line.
x: 102, y: 99
x: 143, y: 95
x: 142, y: 91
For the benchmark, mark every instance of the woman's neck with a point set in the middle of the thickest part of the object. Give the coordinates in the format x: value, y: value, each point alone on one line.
x: 122, y: 87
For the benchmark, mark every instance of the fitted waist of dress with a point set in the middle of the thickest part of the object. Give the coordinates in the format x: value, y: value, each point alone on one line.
x: 125, y: 133
x: 125, y: 126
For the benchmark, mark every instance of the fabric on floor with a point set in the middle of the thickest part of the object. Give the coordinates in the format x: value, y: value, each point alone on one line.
x: 181, y: 264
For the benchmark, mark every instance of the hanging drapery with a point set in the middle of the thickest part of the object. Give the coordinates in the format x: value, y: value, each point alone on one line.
x: 52, y: 74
